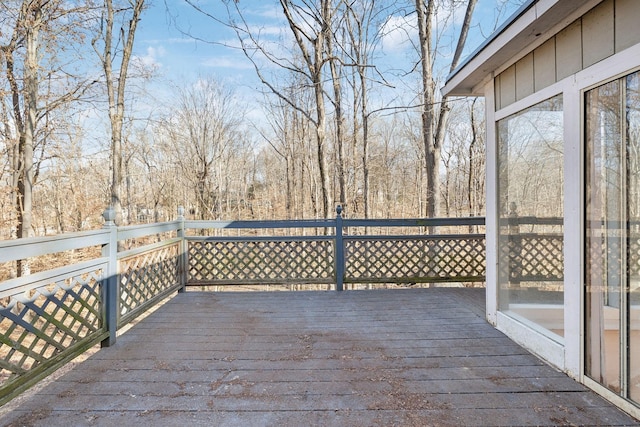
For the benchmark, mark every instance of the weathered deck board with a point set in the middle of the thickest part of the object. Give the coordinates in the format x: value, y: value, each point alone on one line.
x: 405, y: 357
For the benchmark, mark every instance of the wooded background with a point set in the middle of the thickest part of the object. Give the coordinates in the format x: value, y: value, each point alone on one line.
x: 333, y: 129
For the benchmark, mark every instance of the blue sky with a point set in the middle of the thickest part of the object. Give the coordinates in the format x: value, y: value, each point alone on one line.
x: 164, y: 41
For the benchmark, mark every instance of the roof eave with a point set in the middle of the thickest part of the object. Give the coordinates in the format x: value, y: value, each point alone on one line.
x: 531, y: 25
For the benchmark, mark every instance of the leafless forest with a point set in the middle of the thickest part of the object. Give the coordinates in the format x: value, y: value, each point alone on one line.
x: 335, y: 126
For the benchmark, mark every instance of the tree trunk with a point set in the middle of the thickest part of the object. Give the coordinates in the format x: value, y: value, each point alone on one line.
x: 339, y: 116
x: 116, y: 93
x: 433, y: 128
x: 33, y: 21
x: 431, y: 150
x: 472, y: 144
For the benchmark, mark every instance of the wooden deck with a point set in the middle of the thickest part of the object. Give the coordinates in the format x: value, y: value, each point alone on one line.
x: 421, y: 357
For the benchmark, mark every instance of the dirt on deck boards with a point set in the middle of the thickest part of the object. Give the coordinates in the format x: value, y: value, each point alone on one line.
x: 418, y: 357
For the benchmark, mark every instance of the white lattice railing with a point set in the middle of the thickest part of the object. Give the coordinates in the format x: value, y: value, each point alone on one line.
x: 49, y: 317
x: 335, y: 252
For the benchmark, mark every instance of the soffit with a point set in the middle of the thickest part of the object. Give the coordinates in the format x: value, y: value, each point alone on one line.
x: 534, y: 23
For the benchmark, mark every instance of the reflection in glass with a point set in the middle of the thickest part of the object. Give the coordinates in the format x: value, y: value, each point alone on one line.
x: 612, y: 255
x: 603, y: 234
x: 530, y: 186
x: 633, y: 180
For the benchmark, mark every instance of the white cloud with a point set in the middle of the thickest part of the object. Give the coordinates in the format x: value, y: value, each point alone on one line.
x: 227, y: 62
x: 151, y: 59
x: 399, y: 30
x: 397, y: 33
x: 181, y: 40
x: 267, y: 30
x: 270, y: 12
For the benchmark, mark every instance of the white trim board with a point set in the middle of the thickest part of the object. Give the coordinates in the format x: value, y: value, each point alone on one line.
x: 539, y: 344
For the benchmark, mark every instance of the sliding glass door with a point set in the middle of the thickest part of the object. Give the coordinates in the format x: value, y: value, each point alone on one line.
x: 530, y: 191
x: 612, y: 222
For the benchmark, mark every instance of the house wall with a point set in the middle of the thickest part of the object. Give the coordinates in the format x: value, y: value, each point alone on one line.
x: 567, y: 354
x: 605, y: 30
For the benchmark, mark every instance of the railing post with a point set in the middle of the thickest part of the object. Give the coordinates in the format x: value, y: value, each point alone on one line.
x: 515, y: 252
x: 110, y: 285
x: 339, y: 255
x: 183, y: 262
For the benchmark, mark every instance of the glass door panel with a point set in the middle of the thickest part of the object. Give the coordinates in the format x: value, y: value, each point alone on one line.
x: 633, y: 184
x: 531, y: 234
x: 603, y: 234
x: 612, y: 236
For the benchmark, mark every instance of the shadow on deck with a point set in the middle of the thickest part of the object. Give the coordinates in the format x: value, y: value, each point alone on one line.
x: 423, y: 357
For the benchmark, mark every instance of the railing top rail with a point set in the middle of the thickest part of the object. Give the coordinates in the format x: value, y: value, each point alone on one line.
x: 414, y: 222
x: 259, y: 238
x: 256, y: 224
x: 415, y: 237
x: 148, y: 248
x: 532, y: 220
x: 538, y: 235
x: 613, y: 224
x: 12, y: 250
x: 133, y: 231
x: 12, y: 286
x: 327, y: 223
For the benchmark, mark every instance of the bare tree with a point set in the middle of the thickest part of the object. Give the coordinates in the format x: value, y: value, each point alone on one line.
x: 29, y: 52
x: 202, y: 135
x: 434, y: 123
x: 336, y: 69
x: 112, y: 44
x: 310, y: 23
x: 288, y: 137
x: 362, y: 27
x: 69, y: 190
x: 476, y: 156
x: 311, y: 33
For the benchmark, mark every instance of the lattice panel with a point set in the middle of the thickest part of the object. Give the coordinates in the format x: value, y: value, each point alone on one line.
x: 608, y: 255
x: 230, y: 262
x: 38, y: 326
x: 536, y: 257
x: 634, y: 256
x: 449, y: 258
x: 145, y: 276
x: 507, y: 261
